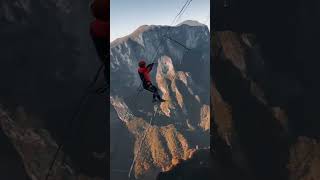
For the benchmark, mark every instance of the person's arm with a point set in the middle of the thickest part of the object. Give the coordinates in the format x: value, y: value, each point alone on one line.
x: 149, y: 67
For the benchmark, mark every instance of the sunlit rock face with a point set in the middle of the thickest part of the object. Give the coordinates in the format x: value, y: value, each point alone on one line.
x: 159, y: 135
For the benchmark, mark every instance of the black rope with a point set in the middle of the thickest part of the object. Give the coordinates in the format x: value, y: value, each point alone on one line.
x: 180, y: 13
x: 143, y: 138
x: 139, y: 89
x: 74, y: 117
x: 183, y: 7
x: 177, y: 42
x: 134, y: 96
x: 188, y: 3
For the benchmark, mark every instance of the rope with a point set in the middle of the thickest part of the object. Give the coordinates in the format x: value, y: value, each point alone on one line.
x: 140, y: 88
x: 188, y: 3
x: 158, y: 46
x: 177, y: 42
x: 139, y: 91
x: 183, y: 7
x: 174, y: 20
x: 74, y: 117
x: 153, y: 58
x: 140, y: 145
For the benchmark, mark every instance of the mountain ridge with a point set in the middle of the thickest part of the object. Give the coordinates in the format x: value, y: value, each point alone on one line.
x: 144, y: 28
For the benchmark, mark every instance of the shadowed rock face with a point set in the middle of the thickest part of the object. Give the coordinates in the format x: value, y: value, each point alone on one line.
x: 244, y: 114
x: 36, y: 149
x: 12, y: 160
x: 197, y: 167
x: 253, y: 132
x: 47, y: 59
x: 179, y: 124
x: 265, y: 121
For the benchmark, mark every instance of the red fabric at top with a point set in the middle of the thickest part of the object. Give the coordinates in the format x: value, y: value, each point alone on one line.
x: 99, y: 29
x: 100, y: 9
x: 145, y: 72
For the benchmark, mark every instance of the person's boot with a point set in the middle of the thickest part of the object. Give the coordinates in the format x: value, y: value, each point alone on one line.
x: 154, y: 99
x: 160, y: 99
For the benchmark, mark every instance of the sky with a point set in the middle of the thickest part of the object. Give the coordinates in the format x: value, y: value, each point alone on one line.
x: 127, y: 15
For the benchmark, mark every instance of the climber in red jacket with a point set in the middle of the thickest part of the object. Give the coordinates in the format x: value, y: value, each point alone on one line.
x: 144, y: 71
x: 99, y: 27
x: 99, y: 31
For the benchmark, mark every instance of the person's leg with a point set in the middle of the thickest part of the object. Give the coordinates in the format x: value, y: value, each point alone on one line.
x: 151, y: 89
x: 156, y: 93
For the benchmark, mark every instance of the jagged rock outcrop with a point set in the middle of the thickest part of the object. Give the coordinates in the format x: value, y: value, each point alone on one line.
x: 157, y: 147
x: 179, y: 124
x: 205, y: 118
x: 36, y: 149
x: 198, y: 166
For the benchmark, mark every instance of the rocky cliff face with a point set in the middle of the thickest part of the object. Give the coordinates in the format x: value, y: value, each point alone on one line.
x: 265, y: 89
x: 258, y: 126
x: 198, y: 166
x: 36, y: 149
x: 47, y: 59
x: 179, y: 124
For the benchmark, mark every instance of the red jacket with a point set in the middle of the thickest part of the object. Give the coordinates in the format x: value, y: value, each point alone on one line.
x: 99, y: 29
x: 144, y: 73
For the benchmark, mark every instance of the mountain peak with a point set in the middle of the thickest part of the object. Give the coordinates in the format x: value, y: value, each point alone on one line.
x: 144, y: 28
x: 191, y: 23
x: 135, y: 33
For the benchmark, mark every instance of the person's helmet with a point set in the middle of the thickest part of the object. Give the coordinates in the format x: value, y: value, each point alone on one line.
x: 142, y: 63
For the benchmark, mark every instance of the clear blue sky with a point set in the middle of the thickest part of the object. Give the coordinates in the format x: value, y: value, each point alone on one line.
x: 128, y: 15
